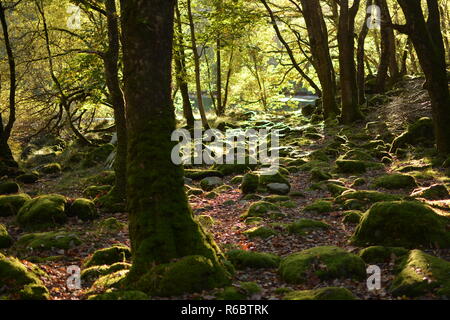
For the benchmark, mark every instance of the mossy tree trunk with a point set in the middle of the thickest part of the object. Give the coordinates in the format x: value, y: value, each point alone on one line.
x: 360, y: 55
x: 427, y: 39
x: 161, y: 222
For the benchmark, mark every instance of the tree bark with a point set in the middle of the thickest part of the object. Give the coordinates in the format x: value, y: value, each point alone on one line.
x: 360, y: 55
x: 161, y: 223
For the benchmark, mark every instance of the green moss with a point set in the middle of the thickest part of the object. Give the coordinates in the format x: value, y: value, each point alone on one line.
x: 329, y: 293
x: 421, y: 131
x: 422, y: 274
x: 319, y: 175
x: 320, y: 206
x: 110, y: 225
x: 131, y: 295
x: 359, y: 182
x: 108, y: 256
x: 325, y: 262
x: 250, y: 183
x: 237, y: 180
x: 28, y: 178
x: 112, y: 202
x: 210, y: 183
x: 42, y: 212
x: 93, y: 192
x: 380, y: 254
x: 84, y: 209
x: 404, y: 224
x: 241, y: 291
x: 354, y: 204
x: 276, y: 178
x: 19, y: 282
x: 276, y: 198
x: 351, y: 166
x: 51, y: 168
x: 230, y: 169
x: 353, y: 216
x: 260, y: 209
x: 223, y: 188
x: 48, y: 240
x: 242, y: 259
x: 194, y: 191
x: 5, y: 239
x: 211, y: 195
x: 9, y: 188
x: 336, y: 190
x: 196, y: 174
x: 205, y: 221
x: 97, y: 156
x: 395, y: 181
x: 95, y: 272
x: 288, y: 204
x: 358, y: 154
x: 434, y: 192
x: 310, y: 165
x: 10, y: 205
x: 114, y: 280
x: 302, y: 226
x: 260, y: 232
x: 187, y: 275
x: 103, y: 178
x: 367, y: 196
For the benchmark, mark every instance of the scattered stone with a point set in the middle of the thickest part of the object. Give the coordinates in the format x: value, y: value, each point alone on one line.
x: 435, y: 192
x: 51, y: 168
x: 279, y: 188
x: 84, y: 209
x: 260, y: 232
x: 208, y: 184
x: 320, y: 206
x: 395, y: 181
x: 11, y: 204
x: 48, y: 241
x: 242, y: 259
x: 380, y: 254
x: 351, y: 166
x: 250, y: 183
x: 353, y: 216
x: 5, y: 239
x: 240, y: 291
x: 303, y: 226
x: 108, y: 256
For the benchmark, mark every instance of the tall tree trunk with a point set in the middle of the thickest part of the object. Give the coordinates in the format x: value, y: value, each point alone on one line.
x: 161, y: 223
x: 346, y: 43
x: 197, y: 67
x: 427, y: 39
x: 318, y: 40
x: 360, y: 55
x: 180, y: 66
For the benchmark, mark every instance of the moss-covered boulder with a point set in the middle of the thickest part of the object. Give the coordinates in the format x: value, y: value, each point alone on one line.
x: 303, y: 226
x: 197, y: 174
x: 326, y: 262
x: 395, y: 181
x: 421, y: 131
x: 328, y: 293
x: 84, y: 209
x: 380, y: 254
x: 358, y: 154
x: 236, y: 180
x: 352, y: 216
x: 48, y: 240
x: 260, y: 232
x: 210, y: 183
x: 402, y: 224
x: 110, y: 225
x: 421, y: 274
x: 114, y: 280
x: 42, y: 212
x: 126, y: 295
x: 5, y: 239
x: 261, y: 209
x: 28, y: 178
x: 51, y: 168
x: 250, y: 183
x: 351, y: 166
x: 242, y: 259
x: 240, y: 291
x: 278, y: 188
x: 93, y: 192
x: 18, y: 282
x: 336, y: 189
x: 95, y: 272
x: 108, y: 256
x: 276, y: 198
x: 319, y: 206
x: 187, y: 275
x: 235, y: 168
x: 11, y: 204
x: 207, y: 222
x: 366, y: 197
x: 434, y: 192
x: 319, y: 175
x: 9, y: 188
x: 278, y: 177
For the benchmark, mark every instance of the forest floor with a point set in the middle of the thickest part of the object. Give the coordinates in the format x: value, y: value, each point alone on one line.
x: 400, y: 107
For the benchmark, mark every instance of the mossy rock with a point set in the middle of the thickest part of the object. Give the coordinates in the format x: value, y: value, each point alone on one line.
x: 127, y: 295
x: 380, y: 254
x: 234, y: 168
x: 434, y: 192
x: 352, y: 216
x: 48, y: 240
x: 421, y: 131
x: 250, y: 183
x: 20, y: 282
x: 93, y: 192
x: 367, y: 196
x: 359, y: 182
x: 402, y: 224
x: 114, y: 280
x: 84, y: 209
x: 265, y: 179
x: 302, y: 226
x: 261, y: 209
x: 325, y: 262
x: 260, y: 232
x: 194, y: 191
x: 278, y: 188
x: 328, y: 293
x: 319, y: 175
x: 28, y: 178
x: 241, y: 291
x: 42, y: 212
x: 351, y: 166
x: 358, y: 154
x: 320, y: 206
x: 395, y: 181
x: 211, y: 195
x: 251, y: 197
x: 108, y: 256
x: 196, y: 174
x: 237, y: 180
x: 11, y: 204
x: 187, y: 275
x: 51, y: 168
x: 422, y: 274
x: 9, y: 188
x: 110, y: 225
x: 207, y: 222
x: 95, y: 272
x: 310, y: 165
x: 276, y: 198
x: 5, y: 239
x: 210, y: 183
x: 336, y: 190
x: 223, y: 188
x: 242, y: 259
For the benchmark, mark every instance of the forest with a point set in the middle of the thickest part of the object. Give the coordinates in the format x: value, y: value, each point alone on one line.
x: 224, y: 150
